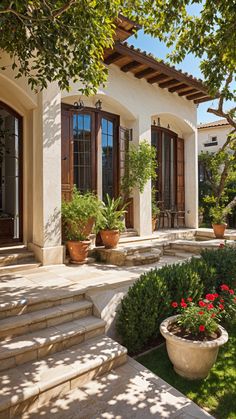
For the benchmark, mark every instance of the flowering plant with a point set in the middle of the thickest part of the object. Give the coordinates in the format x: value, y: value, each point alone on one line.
x: 203, y: 318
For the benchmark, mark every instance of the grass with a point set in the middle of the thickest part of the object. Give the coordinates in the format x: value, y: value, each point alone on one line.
x: 216, y: 393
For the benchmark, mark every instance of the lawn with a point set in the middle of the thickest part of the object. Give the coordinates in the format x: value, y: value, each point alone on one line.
x: 217, y: 393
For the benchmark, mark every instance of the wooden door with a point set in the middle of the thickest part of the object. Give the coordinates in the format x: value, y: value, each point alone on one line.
x: 66, y: 155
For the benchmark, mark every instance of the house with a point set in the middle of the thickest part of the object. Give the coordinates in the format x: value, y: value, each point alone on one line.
x: 55, y: 139
x: 212, y: 135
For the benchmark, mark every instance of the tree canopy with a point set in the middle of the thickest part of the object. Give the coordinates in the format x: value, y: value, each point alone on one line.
x: 64, y: 40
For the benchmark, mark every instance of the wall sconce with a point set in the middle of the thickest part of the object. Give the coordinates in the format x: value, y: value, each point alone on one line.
x: 79, y: 105
x: 158, y: 122
x: 98, y: 105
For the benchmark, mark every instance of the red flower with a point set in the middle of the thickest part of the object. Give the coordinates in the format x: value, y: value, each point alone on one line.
x: 189, y: 299
x: 210, y: 297
x: 213, y: 315
x: 184, y: 305
x: 216, y: 295
x: 221, y: 306
x: 222, y: 300
x: 201, y: 304
x: 182, y: 300
x: 234, y: 298
x: 221, y: 245
x: 201, y: 328
x: 210, y: 306
x: 231, y: 291
x: 174, y: 304
x: 201, y: 312
x: 224, y: 287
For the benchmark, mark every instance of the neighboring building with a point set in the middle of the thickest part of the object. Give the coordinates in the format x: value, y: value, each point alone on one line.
x: 212, y: 136
x: 53, y: 144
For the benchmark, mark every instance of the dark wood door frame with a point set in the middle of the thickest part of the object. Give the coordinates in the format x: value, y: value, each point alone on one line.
x: 20, y: 194
x: 97, y: 116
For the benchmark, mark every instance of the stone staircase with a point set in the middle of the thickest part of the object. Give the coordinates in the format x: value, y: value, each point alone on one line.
x: 16, y: 258
x: 129, y: 255
x: 48, y: 348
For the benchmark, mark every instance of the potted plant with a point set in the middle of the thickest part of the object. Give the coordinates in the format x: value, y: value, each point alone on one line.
x: 111, y: 221
x: 155, y: 210
x: 78, y: 217
x: 218, y: 214
x: 194, y: 336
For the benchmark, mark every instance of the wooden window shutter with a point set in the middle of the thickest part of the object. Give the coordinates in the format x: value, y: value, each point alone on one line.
x: 180, y: 175
x: 66, y: 155
x: 125, y: 136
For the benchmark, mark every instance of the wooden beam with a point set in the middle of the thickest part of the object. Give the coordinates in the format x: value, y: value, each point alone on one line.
x: 144, y: 73
x: 130, y: 66
x: 203, y: 99
x: 113, y: 58
x: 187, y: 92
x: 196, y: 96
x: 169, y: 83
x: 159, y: 66
x: 177, y: 88
x: 157, y: 78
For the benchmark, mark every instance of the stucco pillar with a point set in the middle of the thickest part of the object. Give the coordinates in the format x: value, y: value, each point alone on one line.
x: 191, y: 180
x: 142, y: 201
x: 46, y: 176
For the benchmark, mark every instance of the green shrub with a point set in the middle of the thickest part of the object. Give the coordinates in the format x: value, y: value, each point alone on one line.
x: 206, y: 272
x: 223, y: 260
x: 142, y: 310
x: 182, y: 281
x: 148, y: 302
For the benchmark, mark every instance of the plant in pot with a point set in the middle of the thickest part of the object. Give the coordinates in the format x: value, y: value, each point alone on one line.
x: 218, y: 214
x: 194, y: 336
x: 78, y: 217
x: 111, y: 221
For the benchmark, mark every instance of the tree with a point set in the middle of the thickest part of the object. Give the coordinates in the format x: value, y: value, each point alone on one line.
x: 56, y: 40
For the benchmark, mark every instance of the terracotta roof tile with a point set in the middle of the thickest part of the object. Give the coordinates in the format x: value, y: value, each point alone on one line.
x: 218, y: 123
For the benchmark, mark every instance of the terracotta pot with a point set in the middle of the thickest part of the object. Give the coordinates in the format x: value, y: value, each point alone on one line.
x: 219, y: 230
x: 154, y: 221
x: 110, y: 238
x: 191, y: 359
x: 78, y: 250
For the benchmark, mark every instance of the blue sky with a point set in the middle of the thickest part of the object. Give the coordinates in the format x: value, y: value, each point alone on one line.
x: 189, y: 65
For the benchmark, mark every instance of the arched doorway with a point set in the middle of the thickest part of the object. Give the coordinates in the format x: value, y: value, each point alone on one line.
x: 10, y: 175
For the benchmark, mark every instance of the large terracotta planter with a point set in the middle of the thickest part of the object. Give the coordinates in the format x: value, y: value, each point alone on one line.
x: 78, y: 250
x: 110, y: 238
x: 219, y: 230
x: 191, y: 359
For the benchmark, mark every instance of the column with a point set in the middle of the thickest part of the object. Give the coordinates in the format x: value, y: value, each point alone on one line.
x: 142, y: 201
x: 46, y: 178
x: 191, y: 180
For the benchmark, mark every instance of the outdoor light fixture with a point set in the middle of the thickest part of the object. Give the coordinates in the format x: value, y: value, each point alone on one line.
x: 79, y: 105
x: 98, y: 105
x: 158, y: 122
x: 154, y: 122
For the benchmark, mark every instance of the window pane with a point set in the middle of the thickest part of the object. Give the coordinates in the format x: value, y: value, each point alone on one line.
x: 82, y: 152
x: 107, y: 157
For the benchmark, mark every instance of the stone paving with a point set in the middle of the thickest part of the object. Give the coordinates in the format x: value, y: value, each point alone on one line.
x: 131, y: 391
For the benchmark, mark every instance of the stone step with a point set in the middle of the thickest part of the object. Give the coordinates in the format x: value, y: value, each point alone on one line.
x: 120, y: 254
x: 193, y: 246
x: 5, y: 270
x: 14, y: 256
x: 179, y: 254
x: 26, y: 323
x: 32, y: 385
x: 143, y: 258
x: 38, y: 344
x: 34, y: 303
